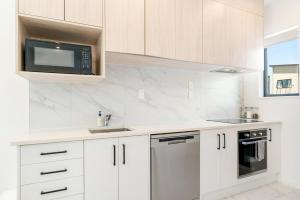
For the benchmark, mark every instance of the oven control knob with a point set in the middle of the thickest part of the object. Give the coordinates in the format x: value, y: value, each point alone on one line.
x: 254, y: 134
x: 260, y: 134
x: 247, y: 135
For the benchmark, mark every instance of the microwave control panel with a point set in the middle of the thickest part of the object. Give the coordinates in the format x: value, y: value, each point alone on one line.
x: 86, y: 66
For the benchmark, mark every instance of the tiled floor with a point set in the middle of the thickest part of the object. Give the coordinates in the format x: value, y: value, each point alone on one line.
x: 269, y: 192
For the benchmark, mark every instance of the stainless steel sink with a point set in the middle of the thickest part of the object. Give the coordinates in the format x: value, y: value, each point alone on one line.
x: 108, y: 130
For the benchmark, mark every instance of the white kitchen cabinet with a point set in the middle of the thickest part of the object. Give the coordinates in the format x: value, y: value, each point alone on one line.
x: 124, y: 176
x: 125, y: 26
x: 210, y: 161
x: 252, y: 6
x: 274, y: 149
x: 53, y: 9
x: 218, y: 159
x: 134, y: 168
x: 101, y: 169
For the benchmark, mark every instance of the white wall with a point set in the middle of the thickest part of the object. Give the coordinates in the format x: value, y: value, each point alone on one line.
x: 14, y: 99
x: 281, y: 15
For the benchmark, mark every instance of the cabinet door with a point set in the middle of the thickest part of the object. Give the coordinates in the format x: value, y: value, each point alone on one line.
x: 188, y: 30
x: 53, y: 9
x: 124, y: 25
x: 229, y: 158
x: 253, y: 6
x: 101, y: 172
x: 160, y: 28
x: 254, y: 39
x: 274, y: 149
x: 223, y: 35
x: 89, y: 12
x: 210, y: 160
x: 134, y: 168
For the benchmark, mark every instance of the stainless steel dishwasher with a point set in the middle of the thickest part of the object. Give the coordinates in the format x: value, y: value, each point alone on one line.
x: 175, y: 166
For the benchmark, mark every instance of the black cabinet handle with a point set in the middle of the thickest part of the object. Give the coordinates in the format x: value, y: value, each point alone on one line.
x: 124, y: 154
x: 219, y: 142
x: 271, y: 136
x: 54, y: 172
x: 54, y: 191
x: 55, y: 152
x: 224, y: 144
x: 114, y: 155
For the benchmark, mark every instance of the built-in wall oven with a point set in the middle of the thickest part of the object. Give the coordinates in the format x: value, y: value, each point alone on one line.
x: 252, y: 152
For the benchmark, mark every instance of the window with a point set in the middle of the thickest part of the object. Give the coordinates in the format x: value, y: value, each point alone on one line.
x: 281, y: 74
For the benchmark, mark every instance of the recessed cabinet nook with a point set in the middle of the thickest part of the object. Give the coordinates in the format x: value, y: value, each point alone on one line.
x: 224, y: 33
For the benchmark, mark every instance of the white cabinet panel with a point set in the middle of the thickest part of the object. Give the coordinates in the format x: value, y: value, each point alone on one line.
x: 229, y: 158
x: 40, y: 153
x: 51, y: 171
x: 101, y: 169
x: 210, y: 161
x: 52, y: 189
x: 134, y: 168
x: 274, y: 149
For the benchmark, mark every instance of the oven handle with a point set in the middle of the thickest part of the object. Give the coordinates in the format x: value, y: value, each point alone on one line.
x: 254, y: 142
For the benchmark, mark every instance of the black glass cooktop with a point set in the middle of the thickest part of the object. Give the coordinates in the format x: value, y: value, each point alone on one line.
x: 234, y: 121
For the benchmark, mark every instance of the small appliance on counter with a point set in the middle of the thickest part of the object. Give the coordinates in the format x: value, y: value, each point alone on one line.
x: 55, y: 57
x: 250, y: 112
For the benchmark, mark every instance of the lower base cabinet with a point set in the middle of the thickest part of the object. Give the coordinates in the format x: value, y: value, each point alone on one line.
x: 117, y: 168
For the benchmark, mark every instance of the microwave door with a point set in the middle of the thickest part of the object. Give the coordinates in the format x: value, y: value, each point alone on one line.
x: 51, y: 57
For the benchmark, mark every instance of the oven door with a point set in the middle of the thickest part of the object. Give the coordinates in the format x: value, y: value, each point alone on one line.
x: 252, y: 156
x: 51, y: 57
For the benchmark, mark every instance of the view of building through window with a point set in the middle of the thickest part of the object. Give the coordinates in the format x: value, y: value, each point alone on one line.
x: 282, y: 69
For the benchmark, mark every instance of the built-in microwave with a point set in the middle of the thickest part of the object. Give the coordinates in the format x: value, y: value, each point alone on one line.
x: 55, y: 57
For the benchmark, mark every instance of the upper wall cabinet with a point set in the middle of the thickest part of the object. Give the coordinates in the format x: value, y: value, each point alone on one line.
x: 124, y: 26
x: 223, y: 35
x: 89, y: 12
x: 252, y: 6
x: 53, y: 9
x: 231, y: 36
x: 254, y: 45
x: 160, y: 28
x: 188, y: 33
x: 174, y: 29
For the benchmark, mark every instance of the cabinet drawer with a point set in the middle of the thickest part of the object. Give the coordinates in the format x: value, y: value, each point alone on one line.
x: 51, y: 171
x: 77, y: 197
x: 52, y: 189
x: 40, y: 153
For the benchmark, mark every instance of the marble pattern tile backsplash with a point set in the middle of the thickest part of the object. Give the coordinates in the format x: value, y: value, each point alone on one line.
x: 166, y: 98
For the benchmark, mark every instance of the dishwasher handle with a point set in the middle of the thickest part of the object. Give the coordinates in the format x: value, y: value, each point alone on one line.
x: 174, y: 139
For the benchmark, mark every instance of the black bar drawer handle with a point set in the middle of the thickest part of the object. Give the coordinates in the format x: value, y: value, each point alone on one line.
x: 124, y: 154
x: 54, y: 191
x: 219, y: 142
x: 175, y: 138
x: 271, y: 136
x: 224, y: 137
x: 54, y: 172
x: 55, y: 152
x: 114, y: 155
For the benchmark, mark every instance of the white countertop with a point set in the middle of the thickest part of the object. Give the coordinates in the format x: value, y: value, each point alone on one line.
x: 84, y: 134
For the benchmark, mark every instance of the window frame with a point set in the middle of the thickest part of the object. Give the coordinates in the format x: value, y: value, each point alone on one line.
x: 266, y: 85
